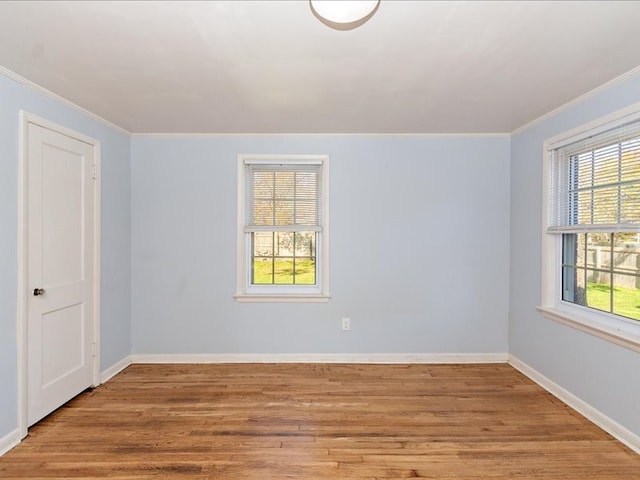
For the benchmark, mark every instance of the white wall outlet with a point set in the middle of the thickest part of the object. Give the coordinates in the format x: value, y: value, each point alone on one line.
x: 346, y: 324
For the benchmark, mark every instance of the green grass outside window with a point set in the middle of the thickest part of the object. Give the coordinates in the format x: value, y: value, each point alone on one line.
x: 626, y: 301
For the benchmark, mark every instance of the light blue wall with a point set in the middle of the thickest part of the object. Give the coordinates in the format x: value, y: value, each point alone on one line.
x: 419, y: 247
x: 115, y: 278
x: 425, y: 234
x: 600, y: 373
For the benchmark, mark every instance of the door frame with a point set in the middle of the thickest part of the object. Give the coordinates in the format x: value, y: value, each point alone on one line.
x: 22, y: 288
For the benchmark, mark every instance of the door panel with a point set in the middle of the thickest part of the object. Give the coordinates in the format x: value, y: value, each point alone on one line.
x: 62, y: 215
x: 60, y: 261
x: 61, y: 327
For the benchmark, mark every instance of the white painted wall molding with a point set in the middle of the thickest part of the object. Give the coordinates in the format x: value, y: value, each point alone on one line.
x: 600, y: 419
x: 320, y: 135
x: 115, y: 369
x: 324, y: 358
x: 610, y: 426
x: 9, y: 441
x: 586, y: 96
x: 34, y: 86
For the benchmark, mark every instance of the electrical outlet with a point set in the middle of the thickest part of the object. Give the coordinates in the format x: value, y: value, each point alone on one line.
x: 346, y: 324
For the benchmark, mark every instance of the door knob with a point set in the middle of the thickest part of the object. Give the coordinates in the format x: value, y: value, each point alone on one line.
x: 38, y: 291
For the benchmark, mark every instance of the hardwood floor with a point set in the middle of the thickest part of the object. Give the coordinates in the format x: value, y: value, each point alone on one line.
x: 317, y: 421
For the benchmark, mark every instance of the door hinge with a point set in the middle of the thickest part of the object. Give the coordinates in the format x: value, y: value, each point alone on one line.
x: 94, y: 172
x: 93, y: 349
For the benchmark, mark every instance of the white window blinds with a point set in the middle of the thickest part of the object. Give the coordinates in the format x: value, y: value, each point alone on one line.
x: 283, y: 197
x: 595, y: 182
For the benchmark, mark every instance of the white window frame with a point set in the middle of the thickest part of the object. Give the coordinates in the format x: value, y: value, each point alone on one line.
x: 245, y: 291
x: 614, y: 328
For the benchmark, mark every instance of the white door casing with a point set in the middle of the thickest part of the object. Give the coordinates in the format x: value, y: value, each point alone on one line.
x: 58, y: 326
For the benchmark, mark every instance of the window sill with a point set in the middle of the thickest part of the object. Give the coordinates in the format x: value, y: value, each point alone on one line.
x: 284, y: 298
x: 620, y: 332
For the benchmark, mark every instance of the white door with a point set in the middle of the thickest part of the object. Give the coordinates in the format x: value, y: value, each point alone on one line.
x: 60, y: 263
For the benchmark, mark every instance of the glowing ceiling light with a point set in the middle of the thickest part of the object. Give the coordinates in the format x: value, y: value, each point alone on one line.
x: 344, y: 14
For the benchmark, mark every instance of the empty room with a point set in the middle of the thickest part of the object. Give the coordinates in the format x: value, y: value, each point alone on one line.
x: 312, y: 239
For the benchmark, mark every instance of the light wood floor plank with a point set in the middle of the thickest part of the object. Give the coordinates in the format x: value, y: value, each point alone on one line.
x: 318, y: 422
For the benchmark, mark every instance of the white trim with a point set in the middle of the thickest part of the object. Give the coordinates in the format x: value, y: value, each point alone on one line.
x: 34, y: 86
x: 169, y: 135
x: 570, y: 104
x: 281, y: 298
x: 624, y: 115
x: 115, y: 369
x: 9, y: 441
x: 382, y: 358
x: 610, y: 426
x: 600, y: 324
x: 21, y: 311
x: 97, y: 257
x: 268, y: 159
x: 291, y: 294
x: 21, y: 307
x: 600, y: 419
x: 28, y: 117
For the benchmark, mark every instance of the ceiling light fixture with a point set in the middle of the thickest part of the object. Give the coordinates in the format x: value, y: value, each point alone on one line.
x: 344, y: 14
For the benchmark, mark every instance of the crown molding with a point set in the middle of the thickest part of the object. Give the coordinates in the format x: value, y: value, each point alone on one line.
x: 592, y: 93
x: 378, y: 135
x: 38, y: 88
x: 48, y: 93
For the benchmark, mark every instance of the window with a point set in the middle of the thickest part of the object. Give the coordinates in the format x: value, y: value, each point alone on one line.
x: 600, y: 270
x: 282, y: 234
x: 591, y: 244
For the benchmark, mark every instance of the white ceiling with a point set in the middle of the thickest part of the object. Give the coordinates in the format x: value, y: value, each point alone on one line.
x: 272, y: 67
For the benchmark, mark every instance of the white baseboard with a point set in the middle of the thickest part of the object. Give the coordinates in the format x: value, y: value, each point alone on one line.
x: 13, y: 438
x: 9, y: 441
x: 610, y: 426
x: 603, y: 421
x: 113, y: 370
x: 324, y: 358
